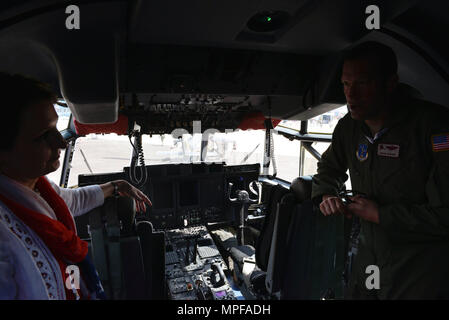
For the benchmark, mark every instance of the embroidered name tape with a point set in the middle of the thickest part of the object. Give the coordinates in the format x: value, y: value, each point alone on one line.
x: 388, y: 150
x: 440, y: 142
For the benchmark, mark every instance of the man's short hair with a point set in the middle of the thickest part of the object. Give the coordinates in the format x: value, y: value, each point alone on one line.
x: 17, y: 93
x: 384, y: 55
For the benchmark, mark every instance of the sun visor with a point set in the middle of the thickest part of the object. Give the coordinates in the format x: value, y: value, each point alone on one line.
x: 251, y: 121
x: 255, y: 121
x: 118, y: 127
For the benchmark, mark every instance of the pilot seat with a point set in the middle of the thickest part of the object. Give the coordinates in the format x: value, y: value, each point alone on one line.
x: 128, y: 255
x: 259, y: 269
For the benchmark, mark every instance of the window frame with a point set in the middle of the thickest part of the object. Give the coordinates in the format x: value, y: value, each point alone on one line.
x: 306, y: 139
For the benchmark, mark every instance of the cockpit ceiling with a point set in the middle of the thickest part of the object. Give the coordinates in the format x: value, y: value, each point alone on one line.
x: 311, y: 27
x: 199, y: 47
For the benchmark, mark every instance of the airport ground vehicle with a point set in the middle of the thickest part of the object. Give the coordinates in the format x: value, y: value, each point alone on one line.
x: 164, y: 68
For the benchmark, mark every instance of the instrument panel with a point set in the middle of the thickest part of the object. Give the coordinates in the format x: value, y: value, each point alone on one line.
x: 187, y: 194
x: 193, y: 194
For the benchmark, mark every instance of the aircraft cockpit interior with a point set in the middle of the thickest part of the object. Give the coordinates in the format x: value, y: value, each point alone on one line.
x: 204, y: 221
x: 220, y: 112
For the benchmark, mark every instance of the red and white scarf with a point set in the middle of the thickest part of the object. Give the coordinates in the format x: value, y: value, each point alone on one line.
x: 58, y: 235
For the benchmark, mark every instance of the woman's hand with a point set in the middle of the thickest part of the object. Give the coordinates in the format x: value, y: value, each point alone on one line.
x: 125, y: 189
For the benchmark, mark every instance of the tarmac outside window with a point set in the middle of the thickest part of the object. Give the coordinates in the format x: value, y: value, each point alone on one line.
x: 287, y: 157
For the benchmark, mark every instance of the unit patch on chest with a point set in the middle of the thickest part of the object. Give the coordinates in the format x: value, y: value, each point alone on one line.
x: 388, y: 150
x: 362, y: 152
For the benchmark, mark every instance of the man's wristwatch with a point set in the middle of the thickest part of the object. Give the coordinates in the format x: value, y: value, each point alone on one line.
x: 115, y: 185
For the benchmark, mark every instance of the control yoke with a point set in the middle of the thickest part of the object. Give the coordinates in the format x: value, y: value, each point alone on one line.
x: 243, y: 198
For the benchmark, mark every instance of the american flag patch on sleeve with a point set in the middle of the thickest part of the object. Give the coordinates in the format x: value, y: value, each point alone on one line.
x: 440, y: 142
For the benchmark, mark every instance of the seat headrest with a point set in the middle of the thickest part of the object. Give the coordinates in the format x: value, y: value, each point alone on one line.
x: 301, y: 187
x: 144, y: 227
x: 126, y: 212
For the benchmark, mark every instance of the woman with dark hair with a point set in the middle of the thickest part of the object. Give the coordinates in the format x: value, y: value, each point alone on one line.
x: 38, y: 239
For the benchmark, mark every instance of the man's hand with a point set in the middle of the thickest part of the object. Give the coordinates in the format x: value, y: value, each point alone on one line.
x: 333, y: 205
x: 364, y: 208
x: 127, y: 190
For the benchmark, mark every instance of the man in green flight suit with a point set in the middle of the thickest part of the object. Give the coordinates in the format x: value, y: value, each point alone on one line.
x: 397, y: 151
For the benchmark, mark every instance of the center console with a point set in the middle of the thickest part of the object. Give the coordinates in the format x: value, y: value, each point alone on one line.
x: 194, y: 268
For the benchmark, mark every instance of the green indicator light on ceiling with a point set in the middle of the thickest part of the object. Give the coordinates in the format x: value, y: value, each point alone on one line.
x: 268, y: 19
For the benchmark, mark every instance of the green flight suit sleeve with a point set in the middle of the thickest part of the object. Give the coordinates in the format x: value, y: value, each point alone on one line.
x: 430, y: 221
x: 331, y: 171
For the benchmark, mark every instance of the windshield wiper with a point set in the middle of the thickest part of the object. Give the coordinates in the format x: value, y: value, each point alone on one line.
x: 249, y: 154
x: 85, y: 161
